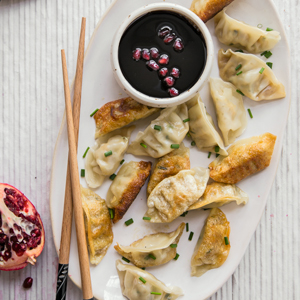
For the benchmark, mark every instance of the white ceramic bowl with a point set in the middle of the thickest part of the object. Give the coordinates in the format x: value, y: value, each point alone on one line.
x: 153, y: 101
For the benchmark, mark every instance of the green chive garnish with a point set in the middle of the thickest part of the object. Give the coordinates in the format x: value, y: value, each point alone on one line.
x: 226, y: 240
x: 188, y: 135
x: 184, y: 214
x: 152, y: 256
x: 266, y: 54
x: 217, y: 149
x: 187, y: 227
x: 186, y: 120
x: 155, y: 293
x: 269, y: 29
x: 157, y: 127
x: 176, y: 257
x: 143, y: 145
x: 111, y: 212
x: 147, y: 218
x: 238, y: 67
x: 142, y: 280
x: 270, y: 65
x: 144, y: 268
x: 121, y: 162
x: 173, y: 245
x: 191, y: 235
x: 108, y: 153
x: 125, y: 259
x: 175, y: 146
x: 217, y: 154
x: 240, y: 92
x: 250, y: 113
x: 209, y: 154
x: 239, y: 51
x: 82, y: 173
x: 94, y: 112
x: 261, y: 70
x: 193, y: 143
x: 259, y: 25
x: 112, y: 176
x: 129, y: 222
x: 239, y: 73
x: 162, y: 168
x: 86, y: 151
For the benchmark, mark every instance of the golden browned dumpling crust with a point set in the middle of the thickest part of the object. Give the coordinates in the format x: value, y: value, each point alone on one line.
x: 206, y: 9
x: 211, y: 250
x: 169, y: 165
x: 142, y: 172
x: 119, y: 113
x: 245, y: 157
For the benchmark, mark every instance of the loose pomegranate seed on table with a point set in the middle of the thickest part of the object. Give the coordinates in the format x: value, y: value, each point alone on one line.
x: 163, y: 72
x: 146, y: 54
x: 164, y: 59
x: 27, y: 284
x: 136, y: 54
x: 175, y: 72
x: 169, y: 81
x: 152, y: 64
x: 178, y: 45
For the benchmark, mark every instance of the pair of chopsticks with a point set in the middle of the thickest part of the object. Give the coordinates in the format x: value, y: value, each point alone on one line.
x: 72, y: 192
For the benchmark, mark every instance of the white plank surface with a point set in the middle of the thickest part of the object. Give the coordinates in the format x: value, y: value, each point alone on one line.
x: 31, y: 36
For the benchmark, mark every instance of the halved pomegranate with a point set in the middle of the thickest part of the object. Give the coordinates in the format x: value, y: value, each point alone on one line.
x: 22, y: 235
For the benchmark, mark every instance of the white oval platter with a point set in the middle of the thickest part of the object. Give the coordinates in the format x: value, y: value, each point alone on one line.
x: 99, y: 87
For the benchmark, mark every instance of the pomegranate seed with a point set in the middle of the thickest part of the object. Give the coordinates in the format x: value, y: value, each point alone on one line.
x: 13, y: 238
x: 169, y: 38
x: 27, y: 283
x: 164, y: 31
x: 164, y: 59
x: 163, y: 72
x: 11, y: 231
x: 178, y: 45
x: 175, y: 72
x: 146, y: 54
x: 169, y: 81
x: 173, y: 92
x: 152, y: 65
x: 154, y: 52
x: 3, y: 239
x: 7, y: 255
x: 136, y: 54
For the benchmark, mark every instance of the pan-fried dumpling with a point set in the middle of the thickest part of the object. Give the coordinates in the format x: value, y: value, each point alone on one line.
x: 211, y: 250
x: 245, y: 157
x: 152, y: 250
x: 230, y: 110
x: 174, y: 195
x: 137, y: 284
x: 255, y: 78
x: 169, y: 165
x: 218, y: 194
x: 98, y: 163
x: 234, y: 33
x: 206, y: 9
x: 126, y: 186
x: 119, y: 113
x: 164, y: 131
x: 202, y: 128
x: 98, y: 225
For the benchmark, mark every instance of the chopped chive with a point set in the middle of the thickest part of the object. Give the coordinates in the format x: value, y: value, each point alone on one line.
x: 86, y: 151
x: 217, y: 149
x: 184, y: 214
x: 162, y: 168
x: 259, y: 25
x: 129, y: 222
x: 238, y: 67
x: 250, y: 113
x: 152, y: 256
x: 191, y: 235
x: 147, y: 218
x: 226, y: 240
x: 94, y: 112
x: 239, y: 73
x: 121, y: 162
x: 266, y: 54
x: 142, y: 280
x: 82, y: 173
x: 175, y: 146
x: 173, y: 245
x: 217, y: 154
x: 193, y: 143
x: 209, y: 154
x: 240, y: 92
x: 261, y: 70
x: 111, y: 212
x: 157, y: 127
x: 155, y: 293
x: 270, y: 65
x: 176, y: 257
x: 269, y: 29
x: 112, y: 176
x: 187, y: 227
x: 144, y: 268
x: 125, y: 259
x: 143, y: 145
x: 188, y: 135
x: 108, y: 153
x: 186, y: 120
x: 240, y: 50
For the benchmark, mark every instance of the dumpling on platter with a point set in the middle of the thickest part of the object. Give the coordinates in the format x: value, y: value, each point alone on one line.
x: 98, y: 225
x: 245, y: 157
x: 212, y: 248
x: 237, y: 34
x: 163, y: 135
x: 126, y: 186
x: 251, y: 75
x: 202, y: 129
x: 152, y: 250
x: 218, y: 194
x: 137, y: 284
x: 174, y: 195
x: 230, y: 110
x: 169, y: 165
x: 206, y: 9
x: 119, y: 113
x: 104, y: 158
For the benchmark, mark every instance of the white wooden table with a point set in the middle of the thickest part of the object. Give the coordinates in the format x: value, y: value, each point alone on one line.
x: 31, y: 108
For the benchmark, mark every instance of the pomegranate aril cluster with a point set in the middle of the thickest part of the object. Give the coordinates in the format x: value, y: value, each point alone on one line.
x: 168, y: 36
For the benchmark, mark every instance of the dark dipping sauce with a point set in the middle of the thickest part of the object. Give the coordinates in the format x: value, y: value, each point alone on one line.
x: 143, y: 33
